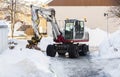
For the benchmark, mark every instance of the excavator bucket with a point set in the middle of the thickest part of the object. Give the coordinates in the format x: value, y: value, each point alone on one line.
x: 33, y: 43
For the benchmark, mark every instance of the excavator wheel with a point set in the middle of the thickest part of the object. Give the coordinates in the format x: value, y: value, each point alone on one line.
x: 85, y: 49
x: 73, y: 51
x: 50, y: 51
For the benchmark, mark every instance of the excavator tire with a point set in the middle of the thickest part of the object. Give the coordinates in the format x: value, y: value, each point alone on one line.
x: 73, y: 51
x: 85, y: 49
x: 50, y: 51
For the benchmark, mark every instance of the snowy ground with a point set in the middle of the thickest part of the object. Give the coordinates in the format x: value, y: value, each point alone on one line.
x: 108, y: 56
x: 81, y: 67
x: 104, y: 62
x: 22, y: 62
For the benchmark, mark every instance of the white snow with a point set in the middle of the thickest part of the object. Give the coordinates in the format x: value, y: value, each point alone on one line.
x: 45, y: 41
x: 110, y: 47
x: 114, y: 70
x: 22, y: 62
x: 109, y: 53
x: 3, y: 23
x: 106, y: 51
x: 96, y: 36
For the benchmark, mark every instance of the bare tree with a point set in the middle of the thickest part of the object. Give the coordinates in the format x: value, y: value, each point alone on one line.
x: 115, y: 10
x: 13, y: 7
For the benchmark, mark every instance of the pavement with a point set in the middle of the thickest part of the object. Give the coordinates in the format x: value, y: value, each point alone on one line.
x: 86, y: 66
x: 79, y: 67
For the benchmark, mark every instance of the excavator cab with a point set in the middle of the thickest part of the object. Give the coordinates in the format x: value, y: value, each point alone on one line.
x: 74, y: 29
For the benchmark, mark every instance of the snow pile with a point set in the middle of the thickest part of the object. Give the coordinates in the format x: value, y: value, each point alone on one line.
x: 111, y: 67
x: 96, y: 36
x: 114, y: 71
x: 45, y: 41
x: 110, y: 47
x: 3, y: 23
x: 22, y: 62
x: 58, y: 67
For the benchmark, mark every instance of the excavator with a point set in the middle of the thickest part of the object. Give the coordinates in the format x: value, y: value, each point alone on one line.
x: 71, y: 40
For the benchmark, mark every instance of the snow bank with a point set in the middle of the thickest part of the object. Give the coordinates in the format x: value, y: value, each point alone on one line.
x: 110, y: 47
x: 96, y: 36
x: 113, y: 71
x: 45, y: 41
x: 22, y: 62
x: 58, y: 67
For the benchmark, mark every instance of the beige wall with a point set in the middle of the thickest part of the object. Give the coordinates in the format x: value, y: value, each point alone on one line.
x: 94, y: 14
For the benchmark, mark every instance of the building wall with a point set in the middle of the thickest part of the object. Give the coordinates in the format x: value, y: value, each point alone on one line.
x: 93, y: 10
x: 93, y: 14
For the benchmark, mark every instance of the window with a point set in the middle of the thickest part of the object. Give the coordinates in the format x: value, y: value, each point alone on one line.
x: 82, y: 24
x: 69, y: 26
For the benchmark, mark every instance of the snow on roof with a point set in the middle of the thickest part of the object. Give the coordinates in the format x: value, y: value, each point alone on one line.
x: 3, y: 24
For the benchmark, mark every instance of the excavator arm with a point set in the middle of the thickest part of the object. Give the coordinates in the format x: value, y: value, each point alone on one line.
x: 49, y: 15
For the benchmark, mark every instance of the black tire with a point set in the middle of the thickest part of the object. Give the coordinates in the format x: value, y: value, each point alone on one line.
x: 73, y: 51
x: 85, y: 49
x: 50, y: 51
x: 61, y: 54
